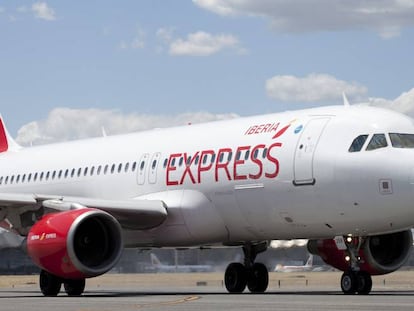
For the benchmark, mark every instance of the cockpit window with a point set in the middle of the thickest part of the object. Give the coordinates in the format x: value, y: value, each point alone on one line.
x: 377, y: 141
x: 358, y: 143
x: 402, y: 140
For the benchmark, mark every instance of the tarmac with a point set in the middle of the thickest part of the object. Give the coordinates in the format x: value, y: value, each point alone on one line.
x: 205, y: 291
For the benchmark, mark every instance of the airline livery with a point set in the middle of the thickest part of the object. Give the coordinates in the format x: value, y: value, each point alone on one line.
x: 341, y: 177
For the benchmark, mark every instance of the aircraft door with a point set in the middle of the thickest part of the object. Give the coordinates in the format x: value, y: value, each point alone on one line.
x: 305, y: 150
x: 153, y: 169
x: 142, y: 168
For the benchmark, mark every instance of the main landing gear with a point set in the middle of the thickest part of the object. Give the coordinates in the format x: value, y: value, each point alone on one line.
x: 50, y: 285
x: 355, y: 281
x: 253, y: 275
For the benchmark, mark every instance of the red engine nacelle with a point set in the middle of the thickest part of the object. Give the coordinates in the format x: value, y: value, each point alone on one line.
x: 76, y: 244
x: 378, y: 254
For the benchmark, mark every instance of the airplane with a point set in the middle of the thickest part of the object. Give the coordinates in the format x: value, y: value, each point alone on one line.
x: 160, y: 267
x: 304, y: 268
x: 340, y: 176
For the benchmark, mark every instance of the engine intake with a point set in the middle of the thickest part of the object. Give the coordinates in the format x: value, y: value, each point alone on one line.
x: 379, y: 254
x: 76, y: 244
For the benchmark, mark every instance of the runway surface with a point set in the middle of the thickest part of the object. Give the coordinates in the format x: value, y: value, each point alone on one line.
x: 310, y: 291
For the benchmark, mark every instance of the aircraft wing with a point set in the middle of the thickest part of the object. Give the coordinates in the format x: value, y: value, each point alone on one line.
x: 135, y: 214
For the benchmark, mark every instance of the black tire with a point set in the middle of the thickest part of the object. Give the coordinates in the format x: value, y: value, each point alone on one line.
x: 235, y: 278
x: 74, y: 287
x: 258, y: 278
x: 49, y: 284
x: 364, y: 283
x: 349, y: 283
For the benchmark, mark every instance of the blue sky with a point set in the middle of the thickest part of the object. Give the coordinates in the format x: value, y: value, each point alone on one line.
x: 170, y: 60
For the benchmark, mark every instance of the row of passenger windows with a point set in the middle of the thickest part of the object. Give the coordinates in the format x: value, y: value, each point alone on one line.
x: 378, y: 141
x: 123, y: 167
x: 224, y: 156
x: 68, y: 173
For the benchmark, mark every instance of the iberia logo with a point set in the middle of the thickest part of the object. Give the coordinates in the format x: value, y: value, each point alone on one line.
x: 269, y: 128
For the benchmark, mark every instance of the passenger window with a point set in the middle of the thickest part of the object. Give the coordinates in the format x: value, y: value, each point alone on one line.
x: 92, y: 170
x: 134, y: 166
x: 112, y: 168
x: 213, y: 158
x: 402, y: 140
x: 98, y: 172
x: 106, y: 169
x: 246, y: 156
x: 358, y: 143
x: 119, y: 167
x: 85, y: 171
x: 377, y: 141
x: 126, y: 167
x: 154, y: 164
x: 165, y: 163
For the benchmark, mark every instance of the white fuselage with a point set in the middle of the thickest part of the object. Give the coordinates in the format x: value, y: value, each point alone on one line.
x: 277, y: 176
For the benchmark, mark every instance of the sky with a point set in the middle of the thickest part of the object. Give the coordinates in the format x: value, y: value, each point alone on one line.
x: 69, y: 68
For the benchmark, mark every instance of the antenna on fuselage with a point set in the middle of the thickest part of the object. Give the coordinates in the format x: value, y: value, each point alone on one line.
x: 103, y: 131
x: 346, y: 102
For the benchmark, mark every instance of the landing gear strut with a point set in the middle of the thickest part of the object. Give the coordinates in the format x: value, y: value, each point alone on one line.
x: 50, y: 285
x: 354, y: 280
x: 253, y: 275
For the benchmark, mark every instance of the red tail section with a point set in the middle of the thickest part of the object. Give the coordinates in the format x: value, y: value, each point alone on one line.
x: 4, y: 145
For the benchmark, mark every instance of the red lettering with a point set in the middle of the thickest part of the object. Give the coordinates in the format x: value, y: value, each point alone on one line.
x: 238, y: 161
x: 266, y: 127
x: 171, y: 168
x: 256, y: 160
x: 252, y: 130
x: 201, y: 168
x: 274, y: 127
x: 187, y: 168
x: 273, y: 160
x: 259, y: 129
x: 221, y: 153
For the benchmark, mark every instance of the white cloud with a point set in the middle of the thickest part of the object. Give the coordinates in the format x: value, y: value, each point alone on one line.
x: 312, y: 88
x: 387, y: 17
x: 403, y: 103
x: 203, y: 44
x: 68, y: 124
x: 43, y: 11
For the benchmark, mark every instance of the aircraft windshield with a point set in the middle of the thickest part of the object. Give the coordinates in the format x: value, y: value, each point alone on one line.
x: 358, y: 143
x: 377, y: 141
x: 402, y: 140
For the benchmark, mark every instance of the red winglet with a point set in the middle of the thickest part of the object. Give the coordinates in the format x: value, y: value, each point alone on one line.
x: 4, y: 145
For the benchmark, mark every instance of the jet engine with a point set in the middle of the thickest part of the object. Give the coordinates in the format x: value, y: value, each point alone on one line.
x: 379, y: 254
x: 76, y: 244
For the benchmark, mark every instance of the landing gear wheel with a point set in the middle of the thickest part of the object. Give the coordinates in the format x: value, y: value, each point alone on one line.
x: 364, y: 283
x: 258, y: 278
x: 49, y: 284
x: 235, y: 278
x: 74, y: 287
x: 349, y: 283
